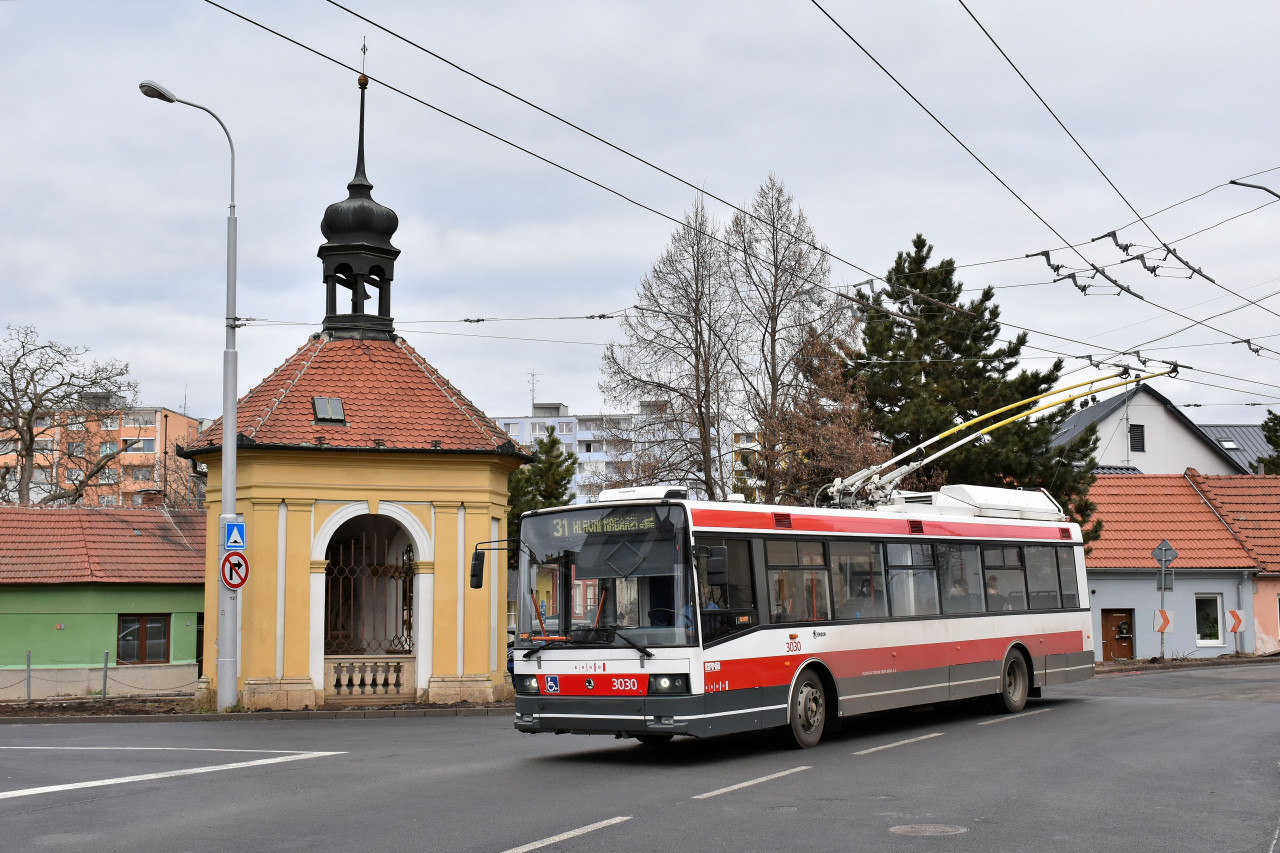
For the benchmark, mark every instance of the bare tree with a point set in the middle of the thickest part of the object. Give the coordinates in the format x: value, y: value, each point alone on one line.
x: 826, y: 432
x: 47, y: 387
x: 780, y: 276
x: 676, y: 360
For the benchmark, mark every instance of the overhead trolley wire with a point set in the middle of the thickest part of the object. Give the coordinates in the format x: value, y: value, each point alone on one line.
x: 1010, y: 189
x: 1105, y: 176
x: 680, y: 223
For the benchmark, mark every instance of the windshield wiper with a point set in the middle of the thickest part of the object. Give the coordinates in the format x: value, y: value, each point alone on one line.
x: 633, y: 644
x: 545, y: 645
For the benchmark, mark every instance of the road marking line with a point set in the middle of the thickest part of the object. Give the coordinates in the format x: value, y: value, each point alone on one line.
x: 897, y: 743
x: 147, y: 777
x: 1014, y: 717
x: 751, y: 782
x: 168, y: 749
x: 573, y: 833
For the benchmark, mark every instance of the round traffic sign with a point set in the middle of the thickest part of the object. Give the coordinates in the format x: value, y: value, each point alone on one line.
x: 234, y: 570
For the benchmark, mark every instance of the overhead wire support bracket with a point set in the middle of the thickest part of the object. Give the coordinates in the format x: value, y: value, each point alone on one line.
x: 1083, y: 288
x: 1057, y: 268
x: 1195, y: 270
x: 1124, y: 287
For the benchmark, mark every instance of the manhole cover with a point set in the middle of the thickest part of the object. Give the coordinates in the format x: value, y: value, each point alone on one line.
x: 927, y: 829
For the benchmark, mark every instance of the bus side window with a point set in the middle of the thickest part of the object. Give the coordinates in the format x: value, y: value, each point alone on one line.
x: 913, y: 581
x: 799, y: 595
x: 960, y: 577
x: 1005, y: 581
x: 1042, y: 577
x: 857, y: 579
x: 1067, y: 576
x: 730, y: 606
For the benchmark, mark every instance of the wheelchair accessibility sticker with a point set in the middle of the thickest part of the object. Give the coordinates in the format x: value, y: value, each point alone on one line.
x: 553, y: 684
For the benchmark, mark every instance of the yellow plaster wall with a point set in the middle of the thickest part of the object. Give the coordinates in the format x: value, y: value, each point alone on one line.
x: 314, y: 486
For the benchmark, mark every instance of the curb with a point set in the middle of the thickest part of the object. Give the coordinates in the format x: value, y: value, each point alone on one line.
x: 1142, y: 667
x: 370, y: 714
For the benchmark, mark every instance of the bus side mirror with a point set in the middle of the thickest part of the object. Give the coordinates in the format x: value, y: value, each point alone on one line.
x: 477, y: 569
x: 718, y: 565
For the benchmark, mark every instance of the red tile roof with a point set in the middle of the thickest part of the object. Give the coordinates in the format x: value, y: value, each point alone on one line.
x: 1138, y: 511
x: 1251, y: 505
x: 101, y: 545
x: 392, y: 399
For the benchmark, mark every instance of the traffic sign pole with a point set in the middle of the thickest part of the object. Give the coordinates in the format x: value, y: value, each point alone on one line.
x: 1164, y: 556
x: 228, y: 643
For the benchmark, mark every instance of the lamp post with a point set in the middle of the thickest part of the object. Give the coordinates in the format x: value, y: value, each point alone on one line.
x: 228, y: 621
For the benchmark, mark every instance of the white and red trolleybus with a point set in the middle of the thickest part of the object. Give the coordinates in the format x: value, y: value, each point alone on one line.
x: 651, y: 617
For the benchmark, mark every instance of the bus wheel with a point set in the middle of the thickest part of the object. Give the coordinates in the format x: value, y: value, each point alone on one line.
x: 654, y: 740
x: 1014, y: 685
x: 807, y: 712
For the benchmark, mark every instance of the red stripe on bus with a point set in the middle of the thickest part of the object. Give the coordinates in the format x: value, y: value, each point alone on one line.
x: 763, y: 522
x: 778, y: 670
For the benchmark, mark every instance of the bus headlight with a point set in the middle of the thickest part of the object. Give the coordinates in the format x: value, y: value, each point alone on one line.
x: 663, y: 682
x: 526, y: 684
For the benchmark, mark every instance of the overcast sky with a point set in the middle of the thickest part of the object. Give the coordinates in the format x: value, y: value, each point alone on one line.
x: 113, y: 206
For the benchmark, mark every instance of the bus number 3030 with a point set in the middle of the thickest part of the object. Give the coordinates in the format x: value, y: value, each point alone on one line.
x: 793, y: 646
x: 626, y: 684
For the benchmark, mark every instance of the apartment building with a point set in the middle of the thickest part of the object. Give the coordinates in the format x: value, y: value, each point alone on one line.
x: 147, y: 471
x: 603, y: 442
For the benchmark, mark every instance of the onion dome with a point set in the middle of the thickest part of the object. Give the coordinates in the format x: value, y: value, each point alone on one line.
x: 358, y: 253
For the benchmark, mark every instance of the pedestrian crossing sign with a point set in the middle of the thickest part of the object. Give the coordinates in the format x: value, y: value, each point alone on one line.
x: 233, y: 536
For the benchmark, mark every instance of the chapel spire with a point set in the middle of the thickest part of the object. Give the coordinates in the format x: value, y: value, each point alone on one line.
x: 357, y: 254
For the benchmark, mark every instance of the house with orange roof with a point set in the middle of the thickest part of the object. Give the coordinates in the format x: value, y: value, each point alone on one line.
x: 1250, y: 506
x: 88, y: 594
x: 1212, y: 580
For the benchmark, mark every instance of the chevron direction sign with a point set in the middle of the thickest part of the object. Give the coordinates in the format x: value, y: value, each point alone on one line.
x: 1163, y: 621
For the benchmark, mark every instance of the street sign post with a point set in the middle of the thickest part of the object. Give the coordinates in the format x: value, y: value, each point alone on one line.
x: 234, y: 570
x: 1164, y: 555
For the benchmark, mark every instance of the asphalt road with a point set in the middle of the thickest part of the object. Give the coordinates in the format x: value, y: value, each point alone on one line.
x: 1177, y: 761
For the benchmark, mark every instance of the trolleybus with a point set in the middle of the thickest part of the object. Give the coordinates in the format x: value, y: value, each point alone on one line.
x: 648, y: 615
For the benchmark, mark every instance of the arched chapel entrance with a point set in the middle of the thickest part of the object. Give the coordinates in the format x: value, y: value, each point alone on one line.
x: 369, y: 610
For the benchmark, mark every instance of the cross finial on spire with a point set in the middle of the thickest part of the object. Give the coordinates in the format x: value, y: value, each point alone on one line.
x: 364, y: 51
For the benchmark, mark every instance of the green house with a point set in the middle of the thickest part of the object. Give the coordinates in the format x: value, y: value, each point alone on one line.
x: 89, y: 595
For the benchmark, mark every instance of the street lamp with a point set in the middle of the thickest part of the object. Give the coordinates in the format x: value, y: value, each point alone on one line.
x: 228, y: 621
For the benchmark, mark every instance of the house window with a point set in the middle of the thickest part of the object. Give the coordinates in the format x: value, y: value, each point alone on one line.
x: 1209, y: 620
x: 141, y: 419
x: 142, y: 473
x: 108, y: 475
x: 513, y: 430
x: 107, y: 500
x: 42, y: 422
x: 328, y: 409
x: 74, y: 475
x: 1228, y: 444
x: 1137, y: 438
x: 565, y: 427
x: 137, y: 500
x: 537, y: 428
x: 107, y: 447
x: 143, y: 639
x: 42, y: 445
x: 111, y: 422
x: 8, y: 445
x: 76, y: 422
x: 75, y: 448
x: 142, y: 445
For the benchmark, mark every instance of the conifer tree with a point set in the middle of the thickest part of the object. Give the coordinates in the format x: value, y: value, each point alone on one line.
x: 542, y: 483
x: 1271, y: 432
x: 937, y: 360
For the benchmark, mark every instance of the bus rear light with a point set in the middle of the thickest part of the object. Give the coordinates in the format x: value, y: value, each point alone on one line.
x: 526, y: 684
x: 667, y: 683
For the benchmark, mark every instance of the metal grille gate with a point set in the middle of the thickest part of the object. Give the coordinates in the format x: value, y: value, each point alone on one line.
x: 368, y: 599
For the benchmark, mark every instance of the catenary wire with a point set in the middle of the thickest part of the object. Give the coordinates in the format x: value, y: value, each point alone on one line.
x: 672, y: 219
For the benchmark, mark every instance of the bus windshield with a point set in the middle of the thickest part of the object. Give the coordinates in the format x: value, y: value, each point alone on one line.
x: 617, y: 576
